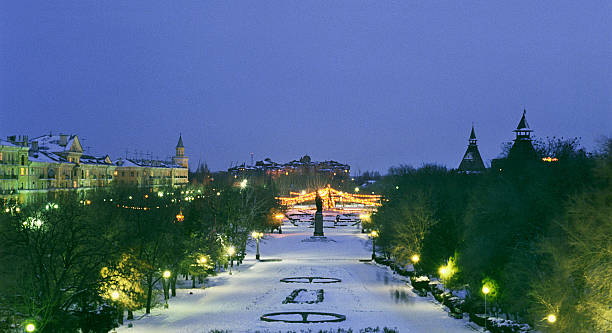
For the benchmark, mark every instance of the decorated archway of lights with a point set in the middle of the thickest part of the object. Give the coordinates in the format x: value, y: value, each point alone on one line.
x: 331, y: 197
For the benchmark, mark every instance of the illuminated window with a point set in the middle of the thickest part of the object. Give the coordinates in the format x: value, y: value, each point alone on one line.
x: 87, y: 173
x: 22, y: 172
x: 1, y: 157
x: 116, y: 172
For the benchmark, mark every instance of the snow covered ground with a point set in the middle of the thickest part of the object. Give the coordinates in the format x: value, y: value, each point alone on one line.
x: 368, y: 295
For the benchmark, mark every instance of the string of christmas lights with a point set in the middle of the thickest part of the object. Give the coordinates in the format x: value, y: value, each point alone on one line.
x: 330, y: 196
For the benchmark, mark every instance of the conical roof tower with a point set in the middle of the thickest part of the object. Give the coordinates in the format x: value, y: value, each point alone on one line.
x: 472, y: 161
x: 522, y: 148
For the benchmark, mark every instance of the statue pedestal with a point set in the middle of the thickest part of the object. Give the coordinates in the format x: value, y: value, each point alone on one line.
x: 318, y: 224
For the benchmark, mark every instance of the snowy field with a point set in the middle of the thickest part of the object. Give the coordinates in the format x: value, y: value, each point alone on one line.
x: 368, y: 295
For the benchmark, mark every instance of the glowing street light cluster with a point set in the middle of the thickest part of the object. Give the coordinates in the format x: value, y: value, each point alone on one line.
x: 373, y: 235
x: 257, y: 235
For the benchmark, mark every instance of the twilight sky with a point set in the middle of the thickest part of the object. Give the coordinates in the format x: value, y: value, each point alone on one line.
x: 369, y: 83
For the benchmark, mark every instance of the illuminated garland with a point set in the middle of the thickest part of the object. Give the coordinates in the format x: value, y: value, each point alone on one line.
x: 330, y: 196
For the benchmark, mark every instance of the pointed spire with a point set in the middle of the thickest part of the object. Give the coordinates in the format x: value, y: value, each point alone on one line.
x: 180, y: 142
x: 473, y: 134
x: 523, y: 123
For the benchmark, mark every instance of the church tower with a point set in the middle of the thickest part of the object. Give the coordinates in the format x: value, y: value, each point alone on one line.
x: 522, y: 149
x: 472, y: 161
x: 180, y: 157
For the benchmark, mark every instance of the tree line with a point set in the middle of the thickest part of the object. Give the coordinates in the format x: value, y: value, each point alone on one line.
x: 538, y: 234
x: 79, y: 261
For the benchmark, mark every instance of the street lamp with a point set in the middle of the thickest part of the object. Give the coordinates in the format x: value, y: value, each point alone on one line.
x: 30, y: 327
x: 374, y: 234
x: 166, y: 276
x: 551, y: 318
x: 356, y: 189
x: 485, y: 291
x: 230, y: 251
x: 415, y: 258
x: 443, y: 270
x: 180, y: 217
x: 257, y: 236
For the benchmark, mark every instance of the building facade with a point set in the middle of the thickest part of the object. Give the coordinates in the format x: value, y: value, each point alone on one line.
x: 58, y: 162
x: 303, y: 166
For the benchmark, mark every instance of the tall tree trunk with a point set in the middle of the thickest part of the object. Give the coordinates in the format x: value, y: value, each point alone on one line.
x: 120, y: 313
x: 193, y: 281
x: 173, y: 284
x: 149, y: 292
x: 130, y: 315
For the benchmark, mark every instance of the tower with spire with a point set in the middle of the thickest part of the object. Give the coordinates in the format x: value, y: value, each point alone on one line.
x: 472, y: 161
x: 522, y: 149
x: 180, y: 157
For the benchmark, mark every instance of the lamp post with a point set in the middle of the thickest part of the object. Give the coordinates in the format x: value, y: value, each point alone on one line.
x: 443, y: 272
x: 374, y: 234
x: 257, y: 236
x: 551, y: 318
x: 166, y: 276
x: 30, y: 327
x: 279, y: 217
x: 415, y: 259
x: 230, y: 251
x: 485, y: 291
x: 115, y: 297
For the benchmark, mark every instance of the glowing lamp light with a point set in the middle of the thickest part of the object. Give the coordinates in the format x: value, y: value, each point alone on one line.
x: 160, y: 194
x: 115, y: 295
x: 167, y: 274
x: 231, y: 250
x: 374, y: 234
x: 303, y: 192
x: 279, y: 216
x: 7, y: 210
x: 443, y: 271
x: 356, y: 189
x: 415, y: 258
x: 243, y: 184
x: 18, y: 209
x: 30, y: 327
x: 218, y: 193
x: 485, y: 290
x: 180, y: 217
x: 551, y: 318
x: 203, y: 260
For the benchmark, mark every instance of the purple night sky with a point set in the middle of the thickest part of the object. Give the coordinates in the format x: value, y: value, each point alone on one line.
x: 369, y: 83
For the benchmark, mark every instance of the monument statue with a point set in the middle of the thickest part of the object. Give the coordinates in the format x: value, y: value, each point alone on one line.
x: 318, y: 221
x: 319, y: 203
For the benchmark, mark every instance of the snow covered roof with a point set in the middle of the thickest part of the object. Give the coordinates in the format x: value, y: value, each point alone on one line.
x: 145, y: 163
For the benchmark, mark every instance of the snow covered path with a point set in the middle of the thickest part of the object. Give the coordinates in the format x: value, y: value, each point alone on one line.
x: 368, y: 295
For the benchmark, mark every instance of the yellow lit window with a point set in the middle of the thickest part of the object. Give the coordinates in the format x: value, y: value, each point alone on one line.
x: 116, y: 172
x: 22, y: 172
